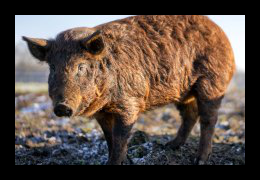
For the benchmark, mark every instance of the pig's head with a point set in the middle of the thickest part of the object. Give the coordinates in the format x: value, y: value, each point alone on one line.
x: 79, y: 69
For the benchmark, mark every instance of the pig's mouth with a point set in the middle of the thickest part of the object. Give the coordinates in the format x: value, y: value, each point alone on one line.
x: 81, y: 109
x: 87, y: 109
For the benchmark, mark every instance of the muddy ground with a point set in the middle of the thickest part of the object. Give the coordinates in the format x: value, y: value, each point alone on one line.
x: 43, y: 139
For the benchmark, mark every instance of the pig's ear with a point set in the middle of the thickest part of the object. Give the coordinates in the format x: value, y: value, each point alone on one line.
x: 37, y: 47
x: 94, y: 44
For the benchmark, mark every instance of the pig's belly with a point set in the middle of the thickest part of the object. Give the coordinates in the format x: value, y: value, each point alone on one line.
x: 159, y: 97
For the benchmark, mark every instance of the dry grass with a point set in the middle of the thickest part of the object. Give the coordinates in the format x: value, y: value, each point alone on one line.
x: 22, y: 88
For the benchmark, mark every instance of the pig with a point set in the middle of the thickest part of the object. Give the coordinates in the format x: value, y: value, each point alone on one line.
x: 115, y: 71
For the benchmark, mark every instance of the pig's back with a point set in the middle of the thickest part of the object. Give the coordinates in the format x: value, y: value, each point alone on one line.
x: 170, y: 51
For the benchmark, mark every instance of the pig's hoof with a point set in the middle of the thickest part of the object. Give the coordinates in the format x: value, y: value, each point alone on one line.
x: 174, y: 145
x: 113, y: 163
x: 200, y: 161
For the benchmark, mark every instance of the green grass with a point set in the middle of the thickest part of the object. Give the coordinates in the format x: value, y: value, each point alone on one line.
x: 31, y: 87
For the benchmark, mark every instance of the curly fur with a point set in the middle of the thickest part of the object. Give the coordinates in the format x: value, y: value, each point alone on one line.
x: 147, y: 61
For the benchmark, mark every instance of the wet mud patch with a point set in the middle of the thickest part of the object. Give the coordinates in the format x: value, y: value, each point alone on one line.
x: 90, y: 149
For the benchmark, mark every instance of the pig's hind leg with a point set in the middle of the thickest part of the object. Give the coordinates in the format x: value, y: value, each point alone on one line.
x: 209, y: 101
x: 189, y: 113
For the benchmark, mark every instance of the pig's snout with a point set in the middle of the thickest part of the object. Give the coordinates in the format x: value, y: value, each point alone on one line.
x: 63, y: 110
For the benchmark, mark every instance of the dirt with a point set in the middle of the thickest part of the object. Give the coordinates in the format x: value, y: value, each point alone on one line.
x: 43, y: 139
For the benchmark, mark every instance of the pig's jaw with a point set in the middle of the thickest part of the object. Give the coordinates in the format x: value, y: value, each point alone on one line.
x: 81, y: 109
x: 89, y: 109
x: 86, y: 110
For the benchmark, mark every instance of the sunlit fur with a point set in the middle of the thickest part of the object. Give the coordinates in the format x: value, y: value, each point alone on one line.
x: 147, y: 61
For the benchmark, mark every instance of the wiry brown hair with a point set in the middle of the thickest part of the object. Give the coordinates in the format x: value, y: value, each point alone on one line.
x: 135, y: 64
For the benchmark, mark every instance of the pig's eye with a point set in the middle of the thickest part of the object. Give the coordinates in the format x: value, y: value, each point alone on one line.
x: 82, y: 69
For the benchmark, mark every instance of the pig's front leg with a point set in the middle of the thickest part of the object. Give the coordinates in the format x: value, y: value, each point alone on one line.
x: 121, y: 132
x: 106, y: 122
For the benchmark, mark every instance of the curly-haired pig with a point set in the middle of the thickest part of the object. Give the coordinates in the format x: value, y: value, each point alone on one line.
x: 117, y: 70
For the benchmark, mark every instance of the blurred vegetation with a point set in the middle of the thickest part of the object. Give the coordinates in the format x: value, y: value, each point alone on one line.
x: 27, y: 68
x: 23, y: 88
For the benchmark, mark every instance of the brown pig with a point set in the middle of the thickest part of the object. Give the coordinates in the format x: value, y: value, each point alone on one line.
x: 120, y: 69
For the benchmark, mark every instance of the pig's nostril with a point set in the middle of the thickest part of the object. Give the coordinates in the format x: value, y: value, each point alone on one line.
x: 62, y: 110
